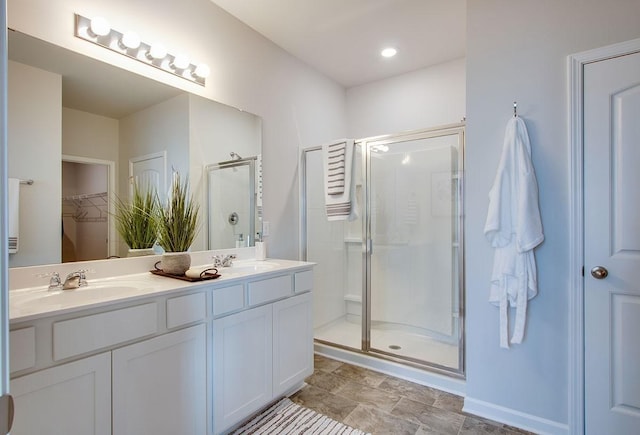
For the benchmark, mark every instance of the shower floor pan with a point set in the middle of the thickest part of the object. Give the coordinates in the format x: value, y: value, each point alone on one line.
x: 390, y: 338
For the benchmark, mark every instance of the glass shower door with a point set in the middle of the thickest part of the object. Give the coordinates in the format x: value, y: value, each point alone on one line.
x: 413, y: 257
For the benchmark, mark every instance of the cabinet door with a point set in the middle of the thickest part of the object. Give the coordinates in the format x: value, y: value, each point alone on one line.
x: 160, y: 385
x: 292, y: 342
x: 71, y: 399
x: 242, y: 365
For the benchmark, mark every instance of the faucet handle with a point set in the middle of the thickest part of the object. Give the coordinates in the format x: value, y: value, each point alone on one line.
x: 81, y: 276
x: 54, y: 280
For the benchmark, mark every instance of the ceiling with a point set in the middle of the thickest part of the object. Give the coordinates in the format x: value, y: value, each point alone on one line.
x: 343, y: 38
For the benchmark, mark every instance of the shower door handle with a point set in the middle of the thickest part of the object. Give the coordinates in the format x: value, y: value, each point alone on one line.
x: 370, y: 246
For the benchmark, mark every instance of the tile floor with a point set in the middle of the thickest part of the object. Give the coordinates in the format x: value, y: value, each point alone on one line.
x: 381, y: 404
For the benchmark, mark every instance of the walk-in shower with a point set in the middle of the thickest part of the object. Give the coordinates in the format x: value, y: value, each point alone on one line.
x: 389, y: 283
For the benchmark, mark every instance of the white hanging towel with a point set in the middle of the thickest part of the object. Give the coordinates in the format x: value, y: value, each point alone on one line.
x: 514, y: 228
x: 13, y: 206
x: 339, y: 188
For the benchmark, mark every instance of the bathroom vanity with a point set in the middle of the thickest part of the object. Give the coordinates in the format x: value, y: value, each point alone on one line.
x: 145, y: 354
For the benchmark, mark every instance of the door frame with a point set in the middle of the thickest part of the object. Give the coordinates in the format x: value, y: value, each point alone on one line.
x: 576, y: 63
x: 112, y: 246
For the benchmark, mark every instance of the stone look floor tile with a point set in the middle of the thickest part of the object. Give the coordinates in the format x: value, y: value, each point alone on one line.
x: 327, y: 380
x: 361, y: 375
x: 432, y: 420
x: 480, y: 426
x: 378, y: 422
x: 381, y: 404
x: 324, y: 402
x: 407, y: 389
x: 368, y: 395
x: 325, y: 364
x: 448, y: 401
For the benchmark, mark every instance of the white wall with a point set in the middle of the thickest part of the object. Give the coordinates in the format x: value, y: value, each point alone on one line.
x: 161, y: 127
x: 299, y: 106
x: 429, y: 97
x: 517, y: 51
x: 89, y: 135
x: 34, y: 147
x: 215, y: 130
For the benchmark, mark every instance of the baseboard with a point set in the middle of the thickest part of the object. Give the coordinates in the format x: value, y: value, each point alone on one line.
x: 514, y: 418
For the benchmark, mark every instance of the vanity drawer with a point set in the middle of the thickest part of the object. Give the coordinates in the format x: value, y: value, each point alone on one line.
x: 186, y: 309
x: 86, y: 334
x: 228, y: 299
x: 303, y: 281
x: 270, y: 289
x: 22, y: 349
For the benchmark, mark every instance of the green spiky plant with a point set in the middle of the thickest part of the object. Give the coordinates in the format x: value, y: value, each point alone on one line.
x: 178, y: 218
x: 135, y: 220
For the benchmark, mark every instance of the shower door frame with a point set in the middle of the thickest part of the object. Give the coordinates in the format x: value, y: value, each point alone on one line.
x: 367, y: 243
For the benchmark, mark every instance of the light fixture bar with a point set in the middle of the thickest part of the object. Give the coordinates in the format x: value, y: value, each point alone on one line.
x: 129, y: 44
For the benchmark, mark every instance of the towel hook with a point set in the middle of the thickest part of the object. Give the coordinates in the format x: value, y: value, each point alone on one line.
x: 515, y: 109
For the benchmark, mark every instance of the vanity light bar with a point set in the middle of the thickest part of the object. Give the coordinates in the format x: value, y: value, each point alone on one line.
x: 98, y: 31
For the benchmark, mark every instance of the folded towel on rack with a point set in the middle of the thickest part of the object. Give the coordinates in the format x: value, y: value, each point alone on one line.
x: 339, y: 188
x: 335, y: 169
x: 13, y: 206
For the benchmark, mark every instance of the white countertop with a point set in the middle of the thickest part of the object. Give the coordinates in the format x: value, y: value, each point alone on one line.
x: 35, y: 302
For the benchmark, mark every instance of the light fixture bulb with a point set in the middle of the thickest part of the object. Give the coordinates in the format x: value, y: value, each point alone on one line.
x: 181, y: 61
x: 99, y: 26
x: 157, y: 51
x: 388, y: 52
x: 130, y: 40
x: 202, y: 70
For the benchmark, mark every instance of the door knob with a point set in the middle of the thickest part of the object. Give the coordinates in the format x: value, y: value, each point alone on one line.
x: 599, y: 272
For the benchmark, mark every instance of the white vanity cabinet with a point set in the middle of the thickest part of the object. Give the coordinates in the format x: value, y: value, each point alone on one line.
x: 159, y: 385
x: 149, y: 378
x: 262, y: 353
x: 192, y: 360
x: 242, y: 365
x: 292, y: 342
x: 70, y: 399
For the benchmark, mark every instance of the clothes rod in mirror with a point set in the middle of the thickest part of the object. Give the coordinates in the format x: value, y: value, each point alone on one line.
x: 98, y: 31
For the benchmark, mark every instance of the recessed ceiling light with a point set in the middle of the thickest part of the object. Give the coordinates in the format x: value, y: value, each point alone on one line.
x: 388, y: 52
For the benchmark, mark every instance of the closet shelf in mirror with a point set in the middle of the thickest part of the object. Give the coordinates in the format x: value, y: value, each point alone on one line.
x: 88, y: 207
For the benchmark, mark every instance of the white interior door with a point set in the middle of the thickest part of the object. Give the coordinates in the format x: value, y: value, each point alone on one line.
x: 612, y: 245
x: 149, y: 171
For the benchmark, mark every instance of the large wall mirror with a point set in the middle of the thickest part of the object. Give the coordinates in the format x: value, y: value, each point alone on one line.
x: 82, y: 129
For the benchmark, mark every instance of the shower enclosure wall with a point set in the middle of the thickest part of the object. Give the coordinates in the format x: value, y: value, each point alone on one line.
x: 389, y: 283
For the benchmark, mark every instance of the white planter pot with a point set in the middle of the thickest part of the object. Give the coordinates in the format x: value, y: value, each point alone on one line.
x: 175, y: 263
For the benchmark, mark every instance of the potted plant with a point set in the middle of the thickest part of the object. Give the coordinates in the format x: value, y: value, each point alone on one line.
x: 136, y: 221
x: 177, y: 227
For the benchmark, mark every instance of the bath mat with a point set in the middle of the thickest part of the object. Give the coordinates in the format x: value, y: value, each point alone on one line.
x: 286, y: 417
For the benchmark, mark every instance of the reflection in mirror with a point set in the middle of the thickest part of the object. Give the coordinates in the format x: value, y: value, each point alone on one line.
x: 64, y: 103
x: 233, y: 202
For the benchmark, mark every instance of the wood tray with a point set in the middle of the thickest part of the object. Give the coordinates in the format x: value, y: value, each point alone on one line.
x: 205, y: 277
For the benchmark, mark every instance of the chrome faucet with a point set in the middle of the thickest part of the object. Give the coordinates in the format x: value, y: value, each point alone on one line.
x: 223, y: 260
x: 75, y: 280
